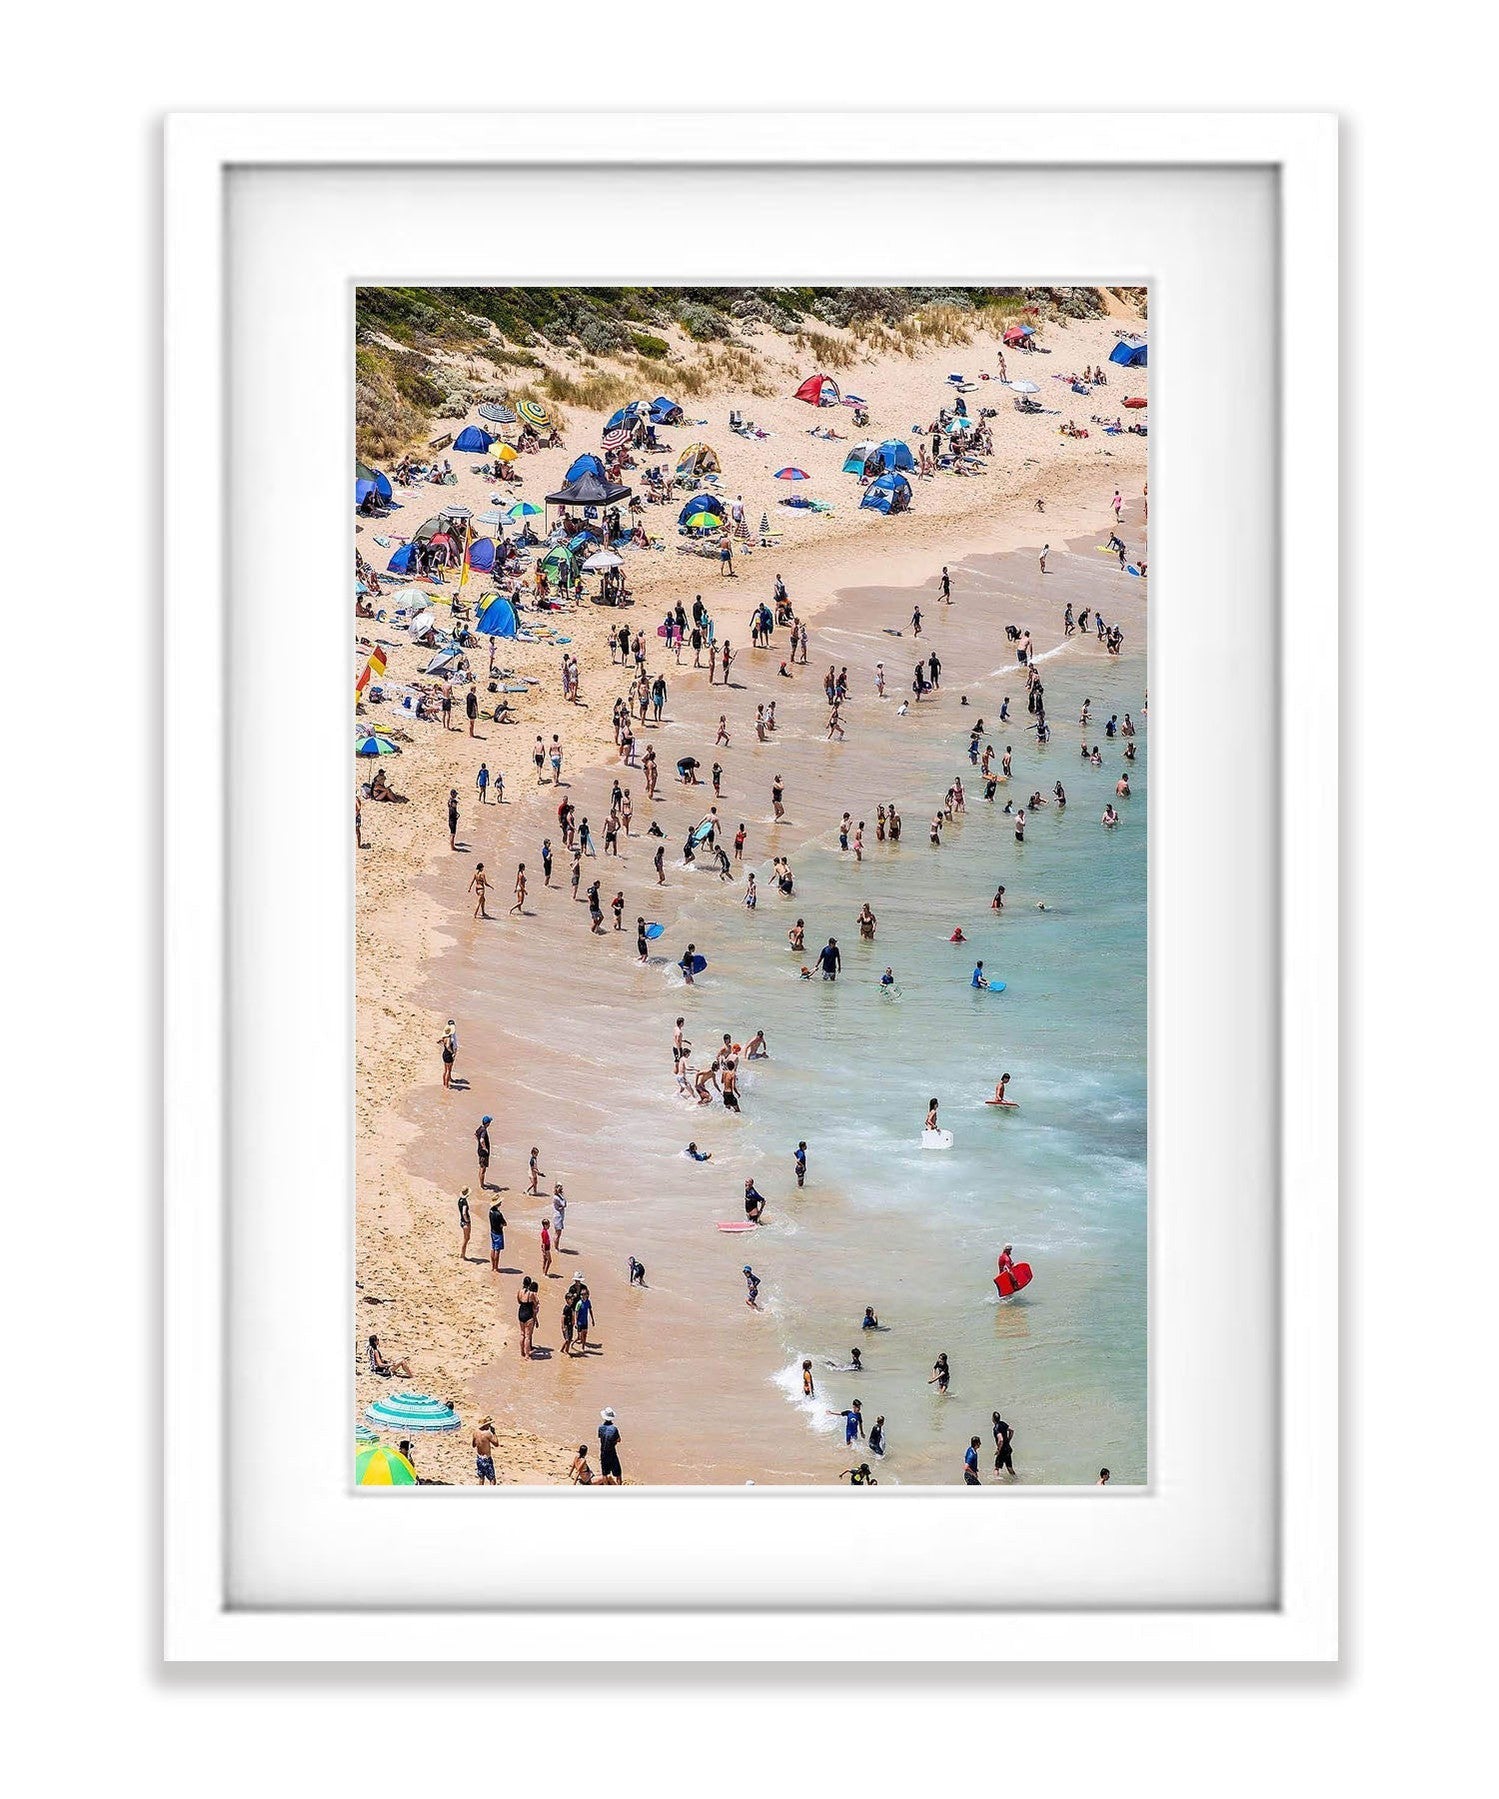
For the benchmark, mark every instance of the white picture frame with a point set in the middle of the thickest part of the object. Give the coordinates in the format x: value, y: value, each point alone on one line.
x: 211, y: 1058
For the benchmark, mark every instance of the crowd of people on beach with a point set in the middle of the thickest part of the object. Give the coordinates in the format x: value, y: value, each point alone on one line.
x: 690, y: 639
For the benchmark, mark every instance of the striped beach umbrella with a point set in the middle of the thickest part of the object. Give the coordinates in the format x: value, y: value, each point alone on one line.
x: 411, y: 1411
x: 381, y: 1466
x: 374, y: 743
x: 615, y: 440
x: 792, y: 474
x: 534, y: 413
x: 496, y: 413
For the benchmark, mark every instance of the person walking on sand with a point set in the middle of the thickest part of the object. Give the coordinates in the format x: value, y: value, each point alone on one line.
x: 481, y: 1141
x: 916, y: 621
x: 559, y: 1216
x: 525, y: 1315
x: 452, y: 818
x: 1045, y: 552
x: 546, y: 1246
x: 496, y: 1235
x: 465, y: 1224
x: 520, y: 889
x: 479, y: 887
x: 582, y: 1318
x: 537, y: 1176
x: 471, y: 707
x: 945, y: 586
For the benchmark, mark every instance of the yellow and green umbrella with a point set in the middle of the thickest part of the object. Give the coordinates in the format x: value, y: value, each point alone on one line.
x: 702, y: 518
x: 382, y: 1466
x: 534, y: 413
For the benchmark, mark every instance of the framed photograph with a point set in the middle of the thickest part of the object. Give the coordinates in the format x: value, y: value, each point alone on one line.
x: 819, y: 972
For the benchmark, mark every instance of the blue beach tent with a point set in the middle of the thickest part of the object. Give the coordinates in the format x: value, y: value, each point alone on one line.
x: 701, y: 502
x: 626, y: 415
x: 1129, y: 356
x: 498, y: 619
x: 585, y: 465
x: 471, y: 438
x: 403, y: 561
x: 481, y: 555
x: 664, y: 411
x: 890, y: 493
x: 894, y: 455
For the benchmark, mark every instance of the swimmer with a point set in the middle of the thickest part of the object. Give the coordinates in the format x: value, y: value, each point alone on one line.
x: 999, y: 1092
x: 698, y: 1155
x: 980, y: 979
x: 957, y: 936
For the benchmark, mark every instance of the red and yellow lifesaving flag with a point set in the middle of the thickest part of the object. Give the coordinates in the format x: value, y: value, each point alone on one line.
x: 375, y: 666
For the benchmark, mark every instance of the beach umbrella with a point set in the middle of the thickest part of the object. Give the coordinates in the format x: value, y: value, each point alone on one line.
x: 792, y: 474
x: 1025, y: 387
x: 601, y: 560
x: 374, y: 743
x: 422, y: 623
x: 411, y: 1411
x: 524, y: 509
x: 615, y: 440
x: 460, y: 513
x: 534, y: 413
x: 702, y: 519
x: 381, y: 1466
x: 506, y: 453
x: 854, y: 400
x: 495, y: 518
x: 496, y: 413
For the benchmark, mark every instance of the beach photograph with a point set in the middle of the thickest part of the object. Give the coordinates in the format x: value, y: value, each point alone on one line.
x: 751, y: 785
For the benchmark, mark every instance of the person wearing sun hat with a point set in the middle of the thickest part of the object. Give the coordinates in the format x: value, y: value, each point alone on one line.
x: 609, y: 1467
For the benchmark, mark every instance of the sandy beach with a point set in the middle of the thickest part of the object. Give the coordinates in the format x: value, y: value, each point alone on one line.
x: 527, y: 1017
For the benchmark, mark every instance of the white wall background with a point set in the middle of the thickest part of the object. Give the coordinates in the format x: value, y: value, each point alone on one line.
x: 80, y: 295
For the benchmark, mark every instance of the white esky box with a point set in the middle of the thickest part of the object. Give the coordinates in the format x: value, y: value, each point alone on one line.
x: 1231, y: 1552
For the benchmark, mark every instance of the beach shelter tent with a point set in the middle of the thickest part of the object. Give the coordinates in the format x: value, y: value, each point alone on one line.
x: 895, y: 454
x: 702, y: 506
x: 380, y: 1466
x: 471, y: 438
x: 586, y: 464
x: 818, y: 390
x: 481, y: 555
x: 627, y: 415
x: 497, y: 619
x: 588, y: 490
x: 1129, y: 356
x: 853, y: 463
x: 698, y: 459
x: 890, y: 493
x: 403, y: 561
x: 380, y: 482
x: 665, y: 411
x: 533, y: 413
x: 445, y: 662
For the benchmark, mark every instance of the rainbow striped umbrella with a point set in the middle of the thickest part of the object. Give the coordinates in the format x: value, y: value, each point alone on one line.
x: 381, y: 1466
x: 534, y: 413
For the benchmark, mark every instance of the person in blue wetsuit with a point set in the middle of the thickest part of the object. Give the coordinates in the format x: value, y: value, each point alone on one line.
x: 853, y: 1421
x: 980, y: 979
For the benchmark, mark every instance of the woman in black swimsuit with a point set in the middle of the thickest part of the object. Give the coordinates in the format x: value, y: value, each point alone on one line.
x: 525, y: 1312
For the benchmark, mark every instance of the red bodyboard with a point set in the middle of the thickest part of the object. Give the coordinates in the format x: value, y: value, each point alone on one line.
x: 1013, y: 1279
